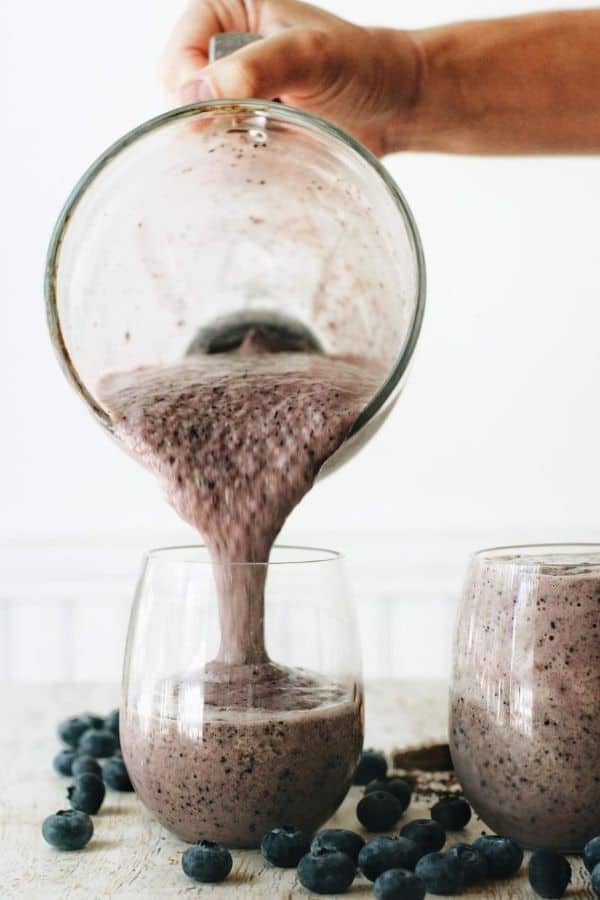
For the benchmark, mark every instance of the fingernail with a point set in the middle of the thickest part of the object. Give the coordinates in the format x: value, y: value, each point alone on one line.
x: 196, y: 91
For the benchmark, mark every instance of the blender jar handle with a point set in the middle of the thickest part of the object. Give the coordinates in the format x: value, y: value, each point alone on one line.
x: 227, y: 42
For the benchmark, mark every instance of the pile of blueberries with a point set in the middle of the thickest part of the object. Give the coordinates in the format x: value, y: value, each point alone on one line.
x: 405, y: 867
x: 412, y: 864
x: 88, y: 738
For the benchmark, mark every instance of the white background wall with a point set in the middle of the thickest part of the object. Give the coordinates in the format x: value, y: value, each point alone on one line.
x: 498, y: 431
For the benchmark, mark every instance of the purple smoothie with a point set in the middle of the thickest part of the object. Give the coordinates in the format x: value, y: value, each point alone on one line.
x: 525, y: 699
x: 236, y: 440
x: 289, y: 759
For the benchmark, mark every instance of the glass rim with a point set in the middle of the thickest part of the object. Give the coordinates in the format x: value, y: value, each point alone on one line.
x: 235, y: 107
x: 537, y: 555
x: 165, y: 554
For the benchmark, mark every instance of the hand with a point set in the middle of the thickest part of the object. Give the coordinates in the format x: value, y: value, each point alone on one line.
x: 364, y: 80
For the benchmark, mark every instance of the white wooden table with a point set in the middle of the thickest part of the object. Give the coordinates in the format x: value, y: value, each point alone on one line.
x: 130, y: 855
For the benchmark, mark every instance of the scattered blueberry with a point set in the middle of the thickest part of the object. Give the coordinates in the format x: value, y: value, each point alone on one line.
x: 285, y: 847
x: 63, y: 762
x: 98, y: 742
x: 596, y: 879
x: 591, y: 853
x: 71, y: 729
x: 442, y: 874
x: 426, y: 833
x: 372, y: 765
x: 549, y: 873
x: 453, y: 813
x: 68, y: 829
x: 111, y: 723
x: 398, y: 884
x: 340, y: 839
x: 86, y: 794
x: 115, y: 775
x: 503, y: 855
x: 473, y: 863
x: 379, y: 811
x: 207, y: 862
x: 326, y: 872
x: 83, y: 764
x: 383, y: 853
x: 397, y: 786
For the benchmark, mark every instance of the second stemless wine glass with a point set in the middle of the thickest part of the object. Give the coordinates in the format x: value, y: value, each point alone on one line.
x: 525, y: 696
x: 227, y: 754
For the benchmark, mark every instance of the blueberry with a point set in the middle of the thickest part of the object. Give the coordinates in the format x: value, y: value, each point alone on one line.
x: 596, y: 879
x: 372, y: 765
x: 68, y: 829
x: 378, y: 811
x: 98, y: 742
x: 63, y: 762
x: 398, y: 884
x: 86, y: 794
x: 86, y: 764
x: 285, y: 847
x: 341, y: 839
x: 397, y: 786
x: 426, y: 833
x: 383, y: 853
x: 453, y: 813
x: 326, y: 872
x: 111, y: 723
x: 71, y: 729
x: 207, y: 862
x: 441, y: 873
x: 591, y: 853
x: 473, y: 863
x: 115, y: 775
x: 549, y: 873
x: 503, y: 855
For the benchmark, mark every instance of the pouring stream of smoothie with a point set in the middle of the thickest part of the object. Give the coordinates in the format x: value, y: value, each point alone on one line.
x: 237, y: 439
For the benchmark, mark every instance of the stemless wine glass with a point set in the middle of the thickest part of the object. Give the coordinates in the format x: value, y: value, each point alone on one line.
x: 525, y: 696
x: 227, y: 752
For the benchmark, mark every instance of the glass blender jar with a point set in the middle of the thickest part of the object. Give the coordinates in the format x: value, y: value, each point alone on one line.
x: 219, y: 217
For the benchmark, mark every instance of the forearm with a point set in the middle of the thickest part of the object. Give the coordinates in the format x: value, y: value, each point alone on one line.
x: 528, y: 84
